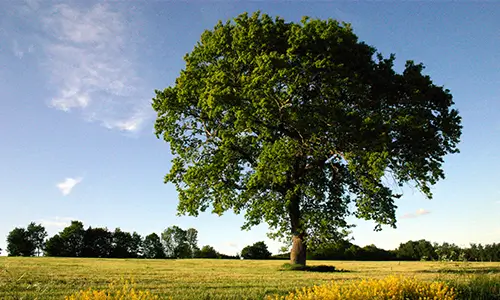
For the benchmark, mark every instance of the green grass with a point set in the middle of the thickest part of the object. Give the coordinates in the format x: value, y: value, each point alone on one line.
x: 53, y: 278
x: 478, y: 287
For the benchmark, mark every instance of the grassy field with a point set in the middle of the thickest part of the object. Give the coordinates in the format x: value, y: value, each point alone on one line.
x: 53, y: 278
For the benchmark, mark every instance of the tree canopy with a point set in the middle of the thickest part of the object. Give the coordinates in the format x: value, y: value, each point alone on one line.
x: 19, y: 243
x: 97, y: 242
x: 207, y: 251
x: 153, y: 247
x: 37, y: 235
x: 180, y: 243
x: 26, y: 242
x: 298, y: 125
x: 256, y: 251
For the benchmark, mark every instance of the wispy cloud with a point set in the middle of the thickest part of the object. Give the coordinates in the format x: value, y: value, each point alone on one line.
x: 33, y: 4
x: 68, y: 184
x: 231, y: 245
x: 19, y: 51
x: 419, y: 212
x: 16, y: 50
x: 422, y: 212
x: 56, y: 222
x: 132, y: 123
x: 91, y: 66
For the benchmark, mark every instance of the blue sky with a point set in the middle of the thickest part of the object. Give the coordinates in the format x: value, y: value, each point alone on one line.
x: 76, y: 79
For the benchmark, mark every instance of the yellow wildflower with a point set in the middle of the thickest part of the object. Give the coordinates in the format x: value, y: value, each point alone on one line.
x: 125, y: 291
x: 392, y: 287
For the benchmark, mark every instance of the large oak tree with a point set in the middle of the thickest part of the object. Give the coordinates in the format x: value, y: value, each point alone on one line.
x: 298, y: 124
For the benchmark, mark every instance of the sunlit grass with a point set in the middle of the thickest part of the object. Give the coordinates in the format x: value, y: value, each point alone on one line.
x: 55, y: 278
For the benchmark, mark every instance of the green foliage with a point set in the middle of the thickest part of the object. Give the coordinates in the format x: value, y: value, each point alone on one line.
x: 478, y: 252
x: 448, y: 252
x: 207, y: 252
x: 479, y: 287
x: 37, y: 235
x: 344, y: 250
x: 97, y: 242
x: 26, y: 242
x: 290, y: 123
x: 192, y: 241
x: 372, y: 252
x: 68, y: 243
x: 136, y: 246
x: 75, y: 241
x: 122, y: 244
x: 256, y: 251
x: 153, y: 247
x: 19, y: 243
x: 55, y: 246
x: 417, y: 250
x: 180, y: 243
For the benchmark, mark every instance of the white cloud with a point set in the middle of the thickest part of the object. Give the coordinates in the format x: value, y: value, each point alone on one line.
x: 89, y: 57
x: 419, y: 212
x: 57, y: 222
x: 134, y: 122
x: 131, y: 124
x: 67, y: 185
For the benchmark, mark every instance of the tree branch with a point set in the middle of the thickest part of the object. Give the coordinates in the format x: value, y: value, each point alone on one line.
x: 245, y: 155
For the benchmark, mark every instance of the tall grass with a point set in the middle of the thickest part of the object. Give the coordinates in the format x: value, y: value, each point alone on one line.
x: 477, y: 287
x: 471, y: 280
x: 11, y: 281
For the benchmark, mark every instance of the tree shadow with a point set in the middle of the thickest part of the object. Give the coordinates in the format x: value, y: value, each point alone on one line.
x: 319, y: 268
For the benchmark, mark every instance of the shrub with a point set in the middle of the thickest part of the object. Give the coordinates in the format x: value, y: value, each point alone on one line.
x: 391, y: 287
x: 125, y: 290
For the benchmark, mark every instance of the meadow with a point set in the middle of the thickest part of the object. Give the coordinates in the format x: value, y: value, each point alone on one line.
x: 54, y: 278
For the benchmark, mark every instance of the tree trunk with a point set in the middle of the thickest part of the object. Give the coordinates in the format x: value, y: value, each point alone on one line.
x: 298, y: 253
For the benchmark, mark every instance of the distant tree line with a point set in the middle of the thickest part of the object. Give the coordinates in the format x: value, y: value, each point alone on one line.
x: 175, y: 242
x: 410, y: 251
x: 76, y: 241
